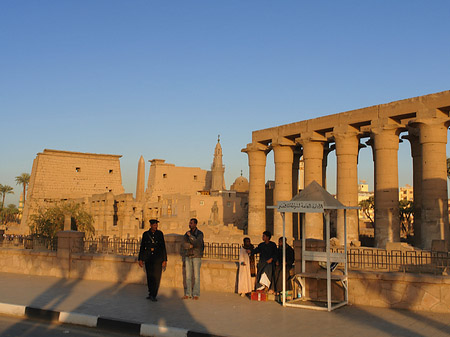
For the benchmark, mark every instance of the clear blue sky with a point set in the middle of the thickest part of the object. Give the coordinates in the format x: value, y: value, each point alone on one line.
x: 163, y: 78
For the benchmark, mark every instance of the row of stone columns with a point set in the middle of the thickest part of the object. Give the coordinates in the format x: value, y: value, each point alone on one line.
x: 428, y: 138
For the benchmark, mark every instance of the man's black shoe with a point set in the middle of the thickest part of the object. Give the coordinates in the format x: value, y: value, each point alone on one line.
x: 153, y: 299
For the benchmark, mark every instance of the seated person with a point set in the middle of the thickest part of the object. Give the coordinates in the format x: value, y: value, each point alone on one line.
x: 278, y: 273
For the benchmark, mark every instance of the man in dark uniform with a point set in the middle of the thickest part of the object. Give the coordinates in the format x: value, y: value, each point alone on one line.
x: 153, y: 254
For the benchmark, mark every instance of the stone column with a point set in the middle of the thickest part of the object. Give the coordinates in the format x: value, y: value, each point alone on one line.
x: 283, y: 157
x: 416, y: 153
x: 387, y: 222
x: 433, y: 140
x: 256, y: 198
x: 347, y: 144
x: 313, y: 158
x: 295, y: 187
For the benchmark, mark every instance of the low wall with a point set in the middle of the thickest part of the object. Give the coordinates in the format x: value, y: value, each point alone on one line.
x: 30, y: 262
x: 394, y: 290
x: 400, y: 290
x: 215, y: 275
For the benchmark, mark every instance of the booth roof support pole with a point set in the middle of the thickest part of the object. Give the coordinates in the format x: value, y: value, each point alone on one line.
x: 303, y: 243
x: 327, y: 217
x: 284, y: 258
x: 345, y: 255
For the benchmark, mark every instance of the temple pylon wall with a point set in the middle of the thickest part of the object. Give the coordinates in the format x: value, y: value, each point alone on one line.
x: 423, y: 120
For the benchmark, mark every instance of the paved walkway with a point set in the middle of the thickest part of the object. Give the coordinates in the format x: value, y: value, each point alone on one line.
x: 221, y: 314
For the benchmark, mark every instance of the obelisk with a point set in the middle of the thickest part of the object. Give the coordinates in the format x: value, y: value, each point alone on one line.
x: 140, y: 185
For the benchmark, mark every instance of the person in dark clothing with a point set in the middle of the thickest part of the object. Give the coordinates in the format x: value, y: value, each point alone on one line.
x: 267, y: 251
x: 153, y: 253
x: 278, y: 273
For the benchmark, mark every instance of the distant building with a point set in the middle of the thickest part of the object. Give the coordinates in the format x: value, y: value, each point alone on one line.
x: 173, y: 195
x: 406, y: 193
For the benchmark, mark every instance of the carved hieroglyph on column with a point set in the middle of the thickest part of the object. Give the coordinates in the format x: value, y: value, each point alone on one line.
x: 347, y: 144
x: 387, y: 222
x: 433, y: 139
x: 257, y: 195
x: 283, y: 157
x: 416, y: 153
x: 313, y: 145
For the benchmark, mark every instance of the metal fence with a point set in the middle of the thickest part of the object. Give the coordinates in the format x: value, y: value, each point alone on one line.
x: 222, y: 251
x: 129, y: 247
x: 370, y: 259
x: 29, y: 242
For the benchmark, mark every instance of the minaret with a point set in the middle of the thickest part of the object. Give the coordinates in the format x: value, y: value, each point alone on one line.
x: 140, y: 185
x: 217, y: 169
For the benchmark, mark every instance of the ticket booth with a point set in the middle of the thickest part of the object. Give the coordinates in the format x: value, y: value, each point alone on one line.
x: 315, y: 199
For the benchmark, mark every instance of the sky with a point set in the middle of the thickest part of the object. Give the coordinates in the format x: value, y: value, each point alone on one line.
x: 163, y: 79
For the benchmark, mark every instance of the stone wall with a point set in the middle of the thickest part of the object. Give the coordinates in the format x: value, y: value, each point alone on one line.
x: 61, y: 175
x: 64, y: 174
x: 215, y: 275
x: 29, y: 262
x: 400, y: 290
x: 165, y: 178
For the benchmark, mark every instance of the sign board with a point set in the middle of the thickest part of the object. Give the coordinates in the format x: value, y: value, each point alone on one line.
x: 300, y: 206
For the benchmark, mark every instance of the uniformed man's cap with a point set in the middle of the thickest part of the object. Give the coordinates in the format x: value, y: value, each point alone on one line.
x: 153, y: 221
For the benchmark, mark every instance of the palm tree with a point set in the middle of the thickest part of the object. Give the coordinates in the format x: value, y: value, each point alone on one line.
x: 23, y: 180
x: 9, y: 214
x: 4, y: 190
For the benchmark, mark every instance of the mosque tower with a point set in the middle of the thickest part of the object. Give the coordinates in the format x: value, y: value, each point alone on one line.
x: 140, y: 185
x: 217, y: 169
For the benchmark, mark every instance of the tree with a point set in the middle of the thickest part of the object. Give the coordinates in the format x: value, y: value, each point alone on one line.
x: 448, y: 168
x: 48, y: 221
x: 406, y: 213
x: 23, y: 180
x: 9, y: 214
x: 367, y: 207
x: 4, y: 190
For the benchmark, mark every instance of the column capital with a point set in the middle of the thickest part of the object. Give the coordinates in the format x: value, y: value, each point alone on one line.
x: 385, y: 126
x: 385, y: 137
x: 308, y: 137
x: 345, y: 131
x: 282, y: 141
x: 431, y: 130
x: 283, y: 153
x: 346, y: 140
x: 255, y: 147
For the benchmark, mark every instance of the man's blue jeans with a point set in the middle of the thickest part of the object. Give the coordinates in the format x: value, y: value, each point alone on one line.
x: 192, y: 263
